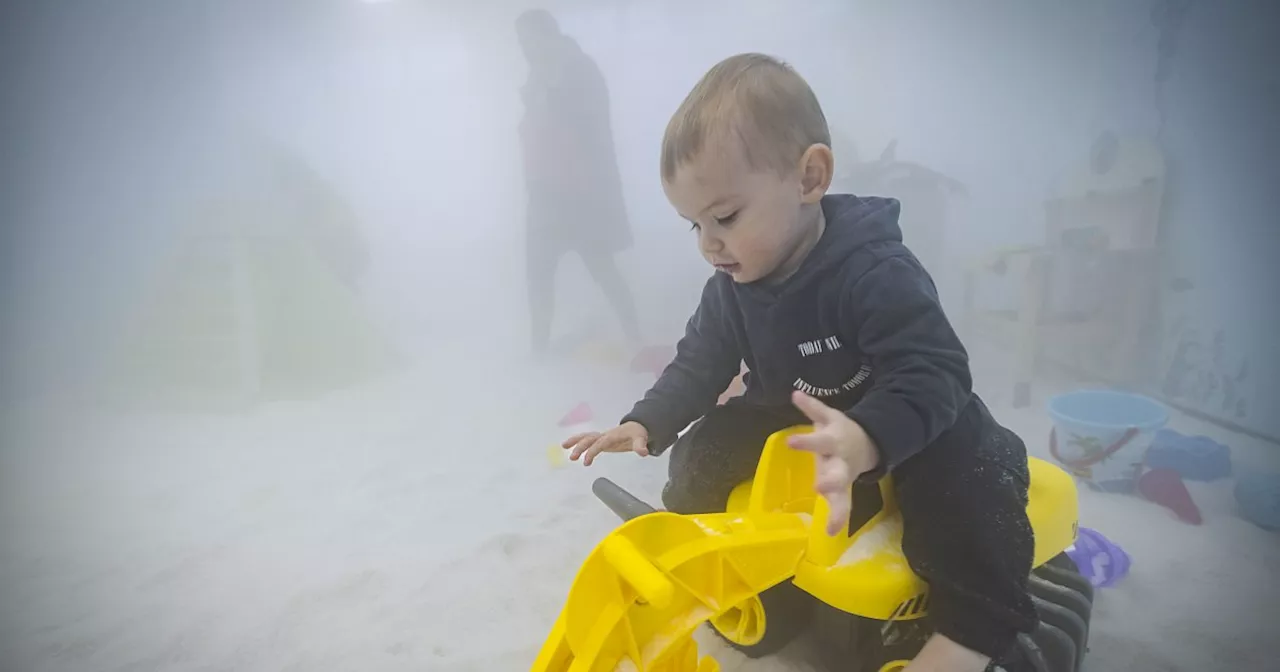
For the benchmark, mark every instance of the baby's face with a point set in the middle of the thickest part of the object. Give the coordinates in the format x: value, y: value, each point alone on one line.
x: 748, y: 221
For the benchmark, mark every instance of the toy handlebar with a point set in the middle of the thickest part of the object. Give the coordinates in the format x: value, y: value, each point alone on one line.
x: 621, y: 502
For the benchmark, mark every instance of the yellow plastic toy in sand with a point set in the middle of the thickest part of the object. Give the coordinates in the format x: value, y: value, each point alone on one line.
x: 646, y: 588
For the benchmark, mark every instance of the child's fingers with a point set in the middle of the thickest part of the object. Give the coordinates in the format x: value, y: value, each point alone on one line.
x: 833, y: 476
x: 576, y: 439
x: 818, y: 443
x: 817, y: 412
x: 590, y: 456
x: 835, y: 483
x: 584, y: 444
x: 840, y: 503
x: 608, y: 443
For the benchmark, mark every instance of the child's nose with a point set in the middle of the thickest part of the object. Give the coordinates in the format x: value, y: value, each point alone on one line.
x: 709, y: 242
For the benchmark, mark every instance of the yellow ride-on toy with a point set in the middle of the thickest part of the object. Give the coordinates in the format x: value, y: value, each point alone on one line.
x: 765, y: 570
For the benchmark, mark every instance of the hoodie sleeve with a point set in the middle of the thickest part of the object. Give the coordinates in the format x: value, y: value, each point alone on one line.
x: 707, y: 358
x: 921, y: 370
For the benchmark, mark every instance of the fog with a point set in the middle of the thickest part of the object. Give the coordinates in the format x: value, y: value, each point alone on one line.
x: 270, y: 389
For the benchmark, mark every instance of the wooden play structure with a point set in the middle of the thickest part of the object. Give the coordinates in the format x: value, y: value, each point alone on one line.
x: 1085, y: 295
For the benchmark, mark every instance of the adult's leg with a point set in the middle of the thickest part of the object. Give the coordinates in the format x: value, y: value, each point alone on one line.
x: 604, y: 270
x: 541, y: 258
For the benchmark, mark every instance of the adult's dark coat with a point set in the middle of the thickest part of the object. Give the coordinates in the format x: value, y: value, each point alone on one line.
x: 570, y: 163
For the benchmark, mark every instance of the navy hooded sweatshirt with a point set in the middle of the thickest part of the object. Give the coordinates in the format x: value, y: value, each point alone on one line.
x: 858, y: 326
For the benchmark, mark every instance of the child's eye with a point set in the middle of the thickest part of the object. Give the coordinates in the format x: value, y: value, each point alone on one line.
x: 693, y: 226
x: 726, y: 220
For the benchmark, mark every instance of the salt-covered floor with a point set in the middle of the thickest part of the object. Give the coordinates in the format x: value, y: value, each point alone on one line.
x: 417, y: 524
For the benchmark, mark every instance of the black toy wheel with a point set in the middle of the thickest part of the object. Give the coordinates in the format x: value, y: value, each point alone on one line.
x: 1067, y: 576
x: 1026, y: 657
x: 1064, y: 604
x: 849, y: 643
x: 1057, y: 648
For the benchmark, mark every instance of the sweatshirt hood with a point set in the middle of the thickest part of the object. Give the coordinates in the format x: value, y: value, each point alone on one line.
x: 853, y: 222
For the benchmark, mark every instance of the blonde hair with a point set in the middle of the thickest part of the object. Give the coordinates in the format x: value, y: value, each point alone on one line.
x: 759, y: 99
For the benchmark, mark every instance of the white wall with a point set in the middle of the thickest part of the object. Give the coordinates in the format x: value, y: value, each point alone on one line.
x: 100, y: 106
x: 1224, y: 99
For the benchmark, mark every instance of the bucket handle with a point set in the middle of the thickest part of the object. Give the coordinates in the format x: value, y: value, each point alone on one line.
x: 1085, y: 462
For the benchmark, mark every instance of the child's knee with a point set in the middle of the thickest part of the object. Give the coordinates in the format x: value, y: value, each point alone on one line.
x: 679, y: 500
x: 686, y: 496
x: 718, y: 453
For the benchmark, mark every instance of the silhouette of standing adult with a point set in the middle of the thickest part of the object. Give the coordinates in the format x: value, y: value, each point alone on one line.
x: 571, y: 174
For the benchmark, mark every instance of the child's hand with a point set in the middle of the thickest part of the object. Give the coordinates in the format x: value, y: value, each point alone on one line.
x: 629, y: 436
x: 844, y: 453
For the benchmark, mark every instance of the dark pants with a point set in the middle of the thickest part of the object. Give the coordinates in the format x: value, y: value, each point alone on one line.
x: 963, y: 501
x: 543, y: 258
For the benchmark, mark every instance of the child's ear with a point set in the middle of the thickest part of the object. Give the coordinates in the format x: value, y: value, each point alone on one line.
x: 817, y: 166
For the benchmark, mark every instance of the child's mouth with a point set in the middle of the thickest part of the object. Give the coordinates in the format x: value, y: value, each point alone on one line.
x: 728, y: 268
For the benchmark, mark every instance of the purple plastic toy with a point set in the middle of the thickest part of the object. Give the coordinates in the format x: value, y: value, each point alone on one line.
x: 1098, y: 559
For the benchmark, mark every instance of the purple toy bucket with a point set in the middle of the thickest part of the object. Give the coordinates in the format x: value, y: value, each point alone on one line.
x: 1098, y: 559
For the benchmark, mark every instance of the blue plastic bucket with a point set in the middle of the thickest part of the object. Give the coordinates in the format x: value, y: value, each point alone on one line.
x: 1102, y: 436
